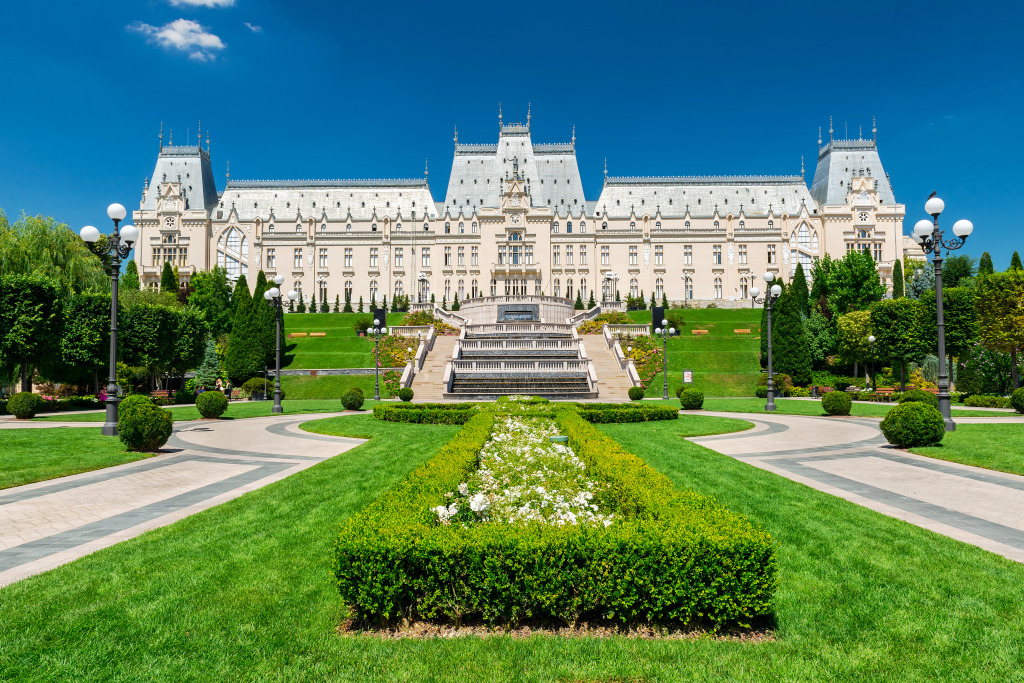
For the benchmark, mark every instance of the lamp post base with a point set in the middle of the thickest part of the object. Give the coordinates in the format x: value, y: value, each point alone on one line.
x: 111, y: 429
x: 276, y: 408
x: 950, y: 425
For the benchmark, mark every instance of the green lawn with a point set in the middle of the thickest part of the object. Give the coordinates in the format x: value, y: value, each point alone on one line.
x: 340, y: 348
x: 237, y: 410
x: 992, y: 446
x: 29, y: 455
x: 243, y: 591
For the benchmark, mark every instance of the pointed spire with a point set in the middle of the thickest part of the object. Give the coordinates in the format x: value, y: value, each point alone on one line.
x: 161, y: 135
x: 170, y: 141
x: 499, y: 116
x: 528, y: 105
x: 426, y: 168
x: 200, y: 133
x: 830, y: 129
x: 147, y: 182
x: 207, y: 142
x: 819, y: 137
x: 860, y: 132
x: 456, y: 135
x: 606, y: 168
x: 874, y: 130
x: 229, y: 171
x: 801, y: 165
x: 574, y: 134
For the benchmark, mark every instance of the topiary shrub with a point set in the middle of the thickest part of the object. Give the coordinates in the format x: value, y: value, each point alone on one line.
x: 636, y: 393
x: 692, y: 399
x: 1017, y: 400
x: 920, y: 396
x: 143, y: 426
x: 211, y: 404
x: 836, y: 403
x: 24, y: 405
x: 761, y: 392
x: 184, y: 397
x: 257, y: 389
x: 353, y: 399
x: 405, y: 393
x: 913, y: 424
x: 131, y: 402
x: 679, y: 390
x: 983, y: 401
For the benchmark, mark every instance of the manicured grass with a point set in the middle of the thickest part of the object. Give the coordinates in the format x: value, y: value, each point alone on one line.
x: 29, y: 455
x: 329, y: 387
x: 340, y: 348
x: 237, y: 410
x: 243, y: 591
x: 992, y: 446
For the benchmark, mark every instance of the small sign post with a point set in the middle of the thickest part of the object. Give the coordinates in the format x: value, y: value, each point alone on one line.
x: 688, y: 377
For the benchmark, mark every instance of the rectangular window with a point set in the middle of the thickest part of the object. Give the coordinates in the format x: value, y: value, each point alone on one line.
x: 323, y: 258
x: 425, y: 257
x: 568, y: 255
x: 605, y: 255
x: 398, y: 257
x: 529, y: 254
x: 462, y: 256
x: 501, y: 254
x: 632, y: 256
x: 687, y: 255
x: 716, y: 255
x: 475, y: 256
x: 447, y: 256
x: 271, y: 260
x: 659, y: 255
x: 298, y: 258
x: 583, y: 252
x: 554, y: 256
x: 743, y: 254
x: 373, y: 257
x: 348, y: 258
x: 771, y: 253
x: 878, y: 253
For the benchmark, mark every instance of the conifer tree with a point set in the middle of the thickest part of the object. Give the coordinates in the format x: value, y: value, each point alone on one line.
x: 591, y: 304
x: 360, y: 309
x: 302, y: 304
x: 641, y: 303
x: 455, y: 302
x: 337, y: 304
x: 348, y: 303
x: 664, y: 300
x: 791, y: 349
x: 800, y: 291
x: 432, y: 300
x: 291, y: 305
x: 130, y: 279
x: 169, y: 283
x: 1015, y: 263
x: 209, y: 370
x: 312, y: 304
x: 241, y: 342
x: 653, y: 301
x: 444, y: 302
x: 898, y: 284
x: 984, y: 265
x: 384, y: 303
x: 394, y: 304
x: 237, y: 295
x: 324, y: 306
x: 578, y: 306
x: 262, y: 324
x: 373, y: 301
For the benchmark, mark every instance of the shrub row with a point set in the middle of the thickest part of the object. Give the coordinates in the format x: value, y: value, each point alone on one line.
x: 604, y: 413
x: 425, y: 413
x: 671, y: 556
x: 982, y: 401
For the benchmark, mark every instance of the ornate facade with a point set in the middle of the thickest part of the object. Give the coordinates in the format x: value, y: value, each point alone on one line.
x: 515, y: 220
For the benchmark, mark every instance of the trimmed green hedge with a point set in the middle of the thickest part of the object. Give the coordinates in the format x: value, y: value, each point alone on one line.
x: 426, y: 413
x: 671, y: 557
x: 920, y: 396
x: 691, y: 399
x: 983, y: 401
x: 635, y: 393
x: 24, y: 405
x: 1017, y: 400
x: 603, y: 413
x: 352, y: 399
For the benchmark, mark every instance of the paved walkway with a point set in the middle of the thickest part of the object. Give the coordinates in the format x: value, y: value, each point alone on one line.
x: 205, y: 463
x: 849, y: 458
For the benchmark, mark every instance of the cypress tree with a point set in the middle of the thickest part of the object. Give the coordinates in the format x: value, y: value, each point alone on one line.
x: 324, y: 306
x: 168, y: 283
x: 373, y: 301
x: 263, y: 325
x: 360, y: 309
x: 984, y: 265
x: 455, y: 302
x: 291, y: 305
x: 653, y: 302
x: 800, y: 291
x: 432, y: 300
x: 348, y: 303
x: 241, y: 342
x: 302, y: 304
x: 898, y: 284
x: 791, y: 349
x: 384, y: 303
x: 208, y: 372
x: 641, y: 303
x: 130, y: 279
x: 312, y: 304
x: 578, y: 306
x: 591, y: 303
x: 237, y: 296
x: 1015, y: 263
x: 444, y: 302
x: 664, y: 300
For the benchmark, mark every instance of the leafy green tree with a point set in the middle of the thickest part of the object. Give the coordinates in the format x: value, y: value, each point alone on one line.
x: 921, y: 281
x: 34, y: 244
x: 800, y: 291
x: 960, y: 319
x: 852, y: 332
x: 146, y: 333
x: 854, y: 282
x: 898, y: 284
x: 31, y: 317
x: 1015, y: 263
x: 168, y: 283
x: 821, y: 336
x: 1000, y: 306
x: 821, y: 285
x: 85, y: 337
x: 189, y: 339
x: 211, y: 294
x: 791, y: 350
x: 957, y: 270
x: 985, y: 264
x: 130, y: 277
x: 896, y: 323
x: 209, y: 370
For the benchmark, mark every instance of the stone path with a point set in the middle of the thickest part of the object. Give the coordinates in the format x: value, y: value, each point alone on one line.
x: 205, y: 463
x: 849, y: 458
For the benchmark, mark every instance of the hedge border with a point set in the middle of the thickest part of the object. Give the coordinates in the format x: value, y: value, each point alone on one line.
x: 673, y: 557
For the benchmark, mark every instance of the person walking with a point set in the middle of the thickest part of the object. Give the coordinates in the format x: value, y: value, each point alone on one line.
x: 227, y: 389
x: 219, y: 386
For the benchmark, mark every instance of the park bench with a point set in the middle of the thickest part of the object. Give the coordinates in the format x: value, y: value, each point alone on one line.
x: 699, y: 331
x: 317, y: 334
x: 162, y: 393
x: 296, y: 334
x: 742, y: 331
x: 932, y: 390
x: 885, y: 391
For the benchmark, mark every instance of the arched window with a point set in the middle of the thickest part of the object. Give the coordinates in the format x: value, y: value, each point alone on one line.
x: 583, y: 289
x: 476, y: 228
x: 687, y: 225
x: 508, y: 287
x: 398, y: 227
x: 742, y: 225
x: 604, y: 225
x: 447, y: 228
x: 558, y: 287
x: 426, y: 227
x: 447, y: 289
x: 373, y: 291
x: 298, y: 286
x: 814, y: 241
x: 475, y: 291
x: 348, y: 290
x: 634, y: 289
x: 659, y: 288
x: 554, y: 227
x: 298, y: 228
x: 398, y: 288
x: 323, y: 228
x: 771, y: 224
x: 632, y: 225
x: 494, y: 288
x: 718, y: 288
x: 232, y: 253
x: 348, y: 227
x: 373, y: 228
x: 568, y: 288
x: 462, y: 227
x: 323, y: 292
x: 516, y: 236
x: 270, y: 228
x: 716, y: 225
x: 583, y: 226
x: 568, y: 226
x: 657, y: 225
x: 804, y: 236
x: 462, y: 289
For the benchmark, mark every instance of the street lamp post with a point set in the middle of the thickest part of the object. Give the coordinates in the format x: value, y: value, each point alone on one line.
x: 768, y: 299
x: 378, y: 332
x: 665, y: 331
x: 119, y: 247
x: 273, y: 295
x: 874, y: 383
x: 928, y: 235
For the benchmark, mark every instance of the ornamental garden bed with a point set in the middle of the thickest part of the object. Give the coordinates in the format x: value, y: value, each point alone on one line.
x: 505, y: 527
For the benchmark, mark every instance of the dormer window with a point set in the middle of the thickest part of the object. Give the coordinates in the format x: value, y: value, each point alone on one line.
x: 426, y: 227
x: 270, y: 228
x: 568, y: 226
x: 323, y: 228
x: 657, y: 225
x: 373, y: 228
x: 604, y: 225
x: 348, y: 227
x: 583, y: 226
x: 398, y: 227
x: 554, y: 227
x: 632, y: 225
x: 742, y: 224
x: 298, y: 228
x: 687, y: 225
x: 771, y: 224
x: 716, y: 225
x: 462, y: 227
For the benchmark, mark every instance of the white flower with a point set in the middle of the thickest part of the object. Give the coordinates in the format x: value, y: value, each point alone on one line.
x: 478, y: 503
x: 464, y: 489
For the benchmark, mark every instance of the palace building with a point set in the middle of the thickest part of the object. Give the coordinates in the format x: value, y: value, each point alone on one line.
x: 515, y: 220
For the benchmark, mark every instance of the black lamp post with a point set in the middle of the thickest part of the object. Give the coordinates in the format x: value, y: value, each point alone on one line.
x: 378, y: 332
x: 119, y: 247
x: 273, y: 295
x: 769, y: 298
x: 664, y: 331
x: 928, y: 235
x: 874, y: 382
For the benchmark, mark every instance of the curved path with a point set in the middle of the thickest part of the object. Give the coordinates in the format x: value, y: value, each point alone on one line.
x: 205, y: 463
x: 849, y: 458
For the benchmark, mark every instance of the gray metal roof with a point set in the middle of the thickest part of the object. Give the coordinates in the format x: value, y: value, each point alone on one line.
x: 191, y: 165
x: 839, y: 162
x: 701, y: 195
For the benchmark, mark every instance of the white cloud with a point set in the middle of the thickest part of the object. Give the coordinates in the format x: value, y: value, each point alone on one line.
x: 185, y: 35
x: 212, y: 4
x: 251, y: 27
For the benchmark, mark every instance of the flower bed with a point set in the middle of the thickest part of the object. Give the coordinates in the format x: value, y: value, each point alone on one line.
x: 665, y: 556
x: 441, y: 328
x: 646, y: 352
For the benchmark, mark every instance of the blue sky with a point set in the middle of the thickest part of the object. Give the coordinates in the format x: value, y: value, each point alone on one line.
x: 341, y: 90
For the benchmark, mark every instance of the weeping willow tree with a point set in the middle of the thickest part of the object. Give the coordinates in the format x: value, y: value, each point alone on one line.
x: 34, y: 244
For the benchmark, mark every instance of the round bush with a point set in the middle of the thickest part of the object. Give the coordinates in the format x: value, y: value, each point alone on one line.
x: 352, y: 399
x: 257, y: 386
x: 24, y: 405
x: 211, y: 403
x: 836, y: 403
x: 679, y: 391
x: 1017, y: 400
x: 920, y: 396
x: 144, y: 426
x: 761, y: 392
x: 405, y: 393
x: 636, y: 393
x: 692, y: 399
x: 131, y: 402
x: 360, y: 390
x: 913, y: 424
